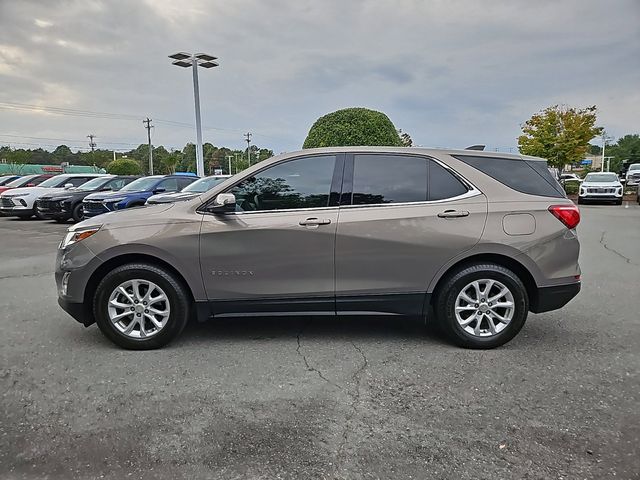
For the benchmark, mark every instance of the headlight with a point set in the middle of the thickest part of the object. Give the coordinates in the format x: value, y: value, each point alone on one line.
x: 75, y: 236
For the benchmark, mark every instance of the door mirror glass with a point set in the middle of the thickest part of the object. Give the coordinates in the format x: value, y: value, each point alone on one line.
x: 160, y: 190
x: 67, y: 186
x: 224, y: 202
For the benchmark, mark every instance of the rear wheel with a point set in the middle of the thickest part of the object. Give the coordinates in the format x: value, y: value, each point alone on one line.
x: 141, y: 306
x: 482, y: 305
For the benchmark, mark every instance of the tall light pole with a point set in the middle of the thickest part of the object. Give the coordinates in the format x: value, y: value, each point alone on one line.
x: 184, y: 59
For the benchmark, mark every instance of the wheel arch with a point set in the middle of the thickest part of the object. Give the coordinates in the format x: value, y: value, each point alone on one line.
x: 512, y: 264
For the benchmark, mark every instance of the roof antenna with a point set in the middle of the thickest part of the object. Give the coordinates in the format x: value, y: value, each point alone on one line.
x: 476, y: 147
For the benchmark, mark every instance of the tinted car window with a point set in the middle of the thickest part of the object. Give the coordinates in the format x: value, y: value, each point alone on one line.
x: 183, y: 182
x: 77, y: 181
x: 169, y: 185
x: 300, y: 183
x: 524, y: 176
x: 443, y: 184
x: 118, y: 183
x: 389, y: 179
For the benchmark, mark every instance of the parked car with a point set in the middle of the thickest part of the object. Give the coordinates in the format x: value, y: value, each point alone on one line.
x: 190, y: 191
x: 601, y: 187
x: 570, y: 177
x: 4, y: 179
x: 478, y: 238
x: 631, y: 177
x: 135, y: 194
x: 62, y: 206
x: 26, y: 181
x: 21, y: 203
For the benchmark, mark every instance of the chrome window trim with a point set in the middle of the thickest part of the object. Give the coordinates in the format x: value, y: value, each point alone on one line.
x: 282, y: 210
x: 469, y: 194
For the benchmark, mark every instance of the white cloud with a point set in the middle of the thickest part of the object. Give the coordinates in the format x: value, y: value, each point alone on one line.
x: 42, y: 23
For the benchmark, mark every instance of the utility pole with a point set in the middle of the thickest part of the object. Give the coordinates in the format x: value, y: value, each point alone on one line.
x: 92, y: 144
x: 604, y: 144
x: 247, y: 137
x: 229, y: 157
x: 236, y: 155
x: 148, y: 126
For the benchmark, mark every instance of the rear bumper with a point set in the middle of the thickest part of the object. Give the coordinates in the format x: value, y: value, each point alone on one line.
x: 553, y: 298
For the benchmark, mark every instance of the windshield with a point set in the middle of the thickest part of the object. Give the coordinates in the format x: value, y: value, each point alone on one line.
x: 54, y: 181
x: 601, y: 177
x: 635, y: 166
x: 18, y: 182
x: 203, y: 185
x: 94, y: 184
x: 141, y: 184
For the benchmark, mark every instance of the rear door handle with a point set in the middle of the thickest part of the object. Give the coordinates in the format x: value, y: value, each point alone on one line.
x: 314, y: 221
x: 453, y: 214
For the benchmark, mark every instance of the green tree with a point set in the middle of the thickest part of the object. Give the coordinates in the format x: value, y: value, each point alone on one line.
x: 124, y: 166
x: 627, y: 148
x: 352, y: 126
x: 561, y: 134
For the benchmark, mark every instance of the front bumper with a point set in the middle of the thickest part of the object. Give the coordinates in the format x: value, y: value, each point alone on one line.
x: 79, y: 311
x: 47, y: 209
x: 74, y: 267
x: 553, y: 298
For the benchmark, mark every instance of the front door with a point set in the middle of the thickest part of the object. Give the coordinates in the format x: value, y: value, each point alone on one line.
x: 401, y: 220
x: 276, y: 251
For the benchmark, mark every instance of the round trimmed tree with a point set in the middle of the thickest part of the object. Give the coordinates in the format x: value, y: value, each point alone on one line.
x: 124, y: 166
x: 353, y: 127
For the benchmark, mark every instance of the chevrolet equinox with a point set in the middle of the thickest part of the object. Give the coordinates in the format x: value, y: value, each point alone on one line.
x: 471, y: 240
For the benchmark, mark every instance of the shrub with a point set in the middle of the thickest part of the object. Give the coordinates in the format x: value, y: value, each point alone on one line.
x: 124, y: 166
x: 571, y: 188
x: 352, y: 126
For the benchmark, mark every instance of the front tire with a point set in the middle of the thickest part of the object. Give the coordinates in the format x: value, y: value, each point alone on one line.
x: 141, y: 306
x: 77, y: 213
x: 482, y: 305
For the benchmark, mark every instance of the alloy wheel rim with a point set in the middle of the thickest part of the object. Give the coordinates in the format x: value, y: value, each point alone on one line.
x: 484, y: 307
x: 138, y: 308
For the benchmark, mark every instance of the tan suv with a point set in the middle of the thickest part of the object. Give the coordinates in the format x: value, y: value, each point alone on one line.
x: 473, y: 240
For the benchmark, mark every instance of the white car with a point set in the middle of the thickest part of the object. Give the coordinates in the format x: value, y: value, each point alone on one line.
x: 570, y: 177
x: 632, y: 177
x: 20, y: 202
x: 604, y: 186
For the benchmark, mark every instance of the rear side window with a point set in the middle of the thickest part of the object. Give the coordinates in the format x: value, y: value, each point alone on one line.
x: 525, y: 176
x: 443, y: 184
x: 389, y: 179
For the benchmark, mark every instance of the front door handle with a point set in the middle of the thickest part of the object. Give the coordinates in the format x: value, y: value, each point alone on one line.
x: 453, y: 214
x: 315, y: 221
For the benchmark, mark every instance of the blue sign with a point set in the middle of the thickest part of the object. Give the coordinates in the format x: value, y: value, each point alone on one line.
x: 586, y: 161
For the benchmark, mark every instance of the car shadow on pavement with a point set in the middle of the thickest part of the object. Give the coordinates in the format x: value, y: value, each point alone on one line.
x: 370, y: 328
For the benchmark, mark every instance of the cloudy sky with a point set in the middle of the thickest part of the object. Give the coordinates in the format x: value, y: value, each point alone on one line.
x: 451, y: 73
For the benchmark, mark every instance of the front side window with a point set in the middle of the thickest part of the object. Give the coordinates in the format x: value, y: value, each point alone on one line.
x: 169, y: 185
x: 301, y: 183
x: 379, y: 179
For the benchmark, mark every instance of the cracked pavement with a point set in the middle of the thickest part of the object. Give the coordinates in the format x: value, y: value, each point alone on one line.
x: 324, y: 398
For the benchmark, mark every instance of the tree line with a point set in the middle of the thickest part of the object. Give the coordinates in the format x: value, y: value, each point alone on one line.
x: 164, y: 161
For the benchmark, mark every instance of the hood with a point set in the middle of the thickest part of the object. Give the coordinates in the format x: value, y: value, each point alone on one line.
x: 601, y: 184
x: 31, y: 191
x: 172, y: 197
x: 116, y: 194
x: 130, y: 217
x: 71, y: 193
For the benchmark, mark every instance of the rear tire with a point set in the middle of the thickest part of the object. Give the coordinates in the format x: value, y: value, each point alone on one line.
x: 124, y: 318
x: 487, y: 321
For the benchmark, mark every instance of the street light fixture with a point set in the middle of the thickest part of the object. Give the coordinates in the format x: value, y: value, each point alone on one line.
x: 204, y: 60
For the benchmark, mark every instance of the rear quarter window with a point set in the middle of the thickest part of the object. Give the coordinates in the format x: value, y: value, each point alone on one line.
x: 525, y: 176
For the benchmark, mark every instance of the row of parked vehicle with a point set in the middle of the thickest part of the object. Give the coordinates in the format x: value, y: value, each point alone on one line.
x: 77, y: 196
x: 605, y: 186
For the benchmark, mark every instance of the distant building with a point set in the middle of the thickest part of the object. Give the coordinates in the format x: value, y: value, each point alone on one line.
x: 28, y: 169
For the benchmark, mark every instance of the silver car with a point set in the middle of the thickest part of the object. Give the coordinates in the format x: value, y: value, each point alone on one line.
x: 471, y: 240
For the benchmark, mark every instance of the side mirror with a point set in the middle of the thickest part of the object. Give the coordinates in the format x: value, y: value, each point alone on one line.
x: 30, y: 185
x: 159, y: 190
x: 67, y: 186
x: 224, y: 202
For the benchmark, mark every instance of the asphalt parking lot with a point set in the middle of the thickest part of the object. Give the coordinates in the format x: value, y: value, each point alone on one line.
x: 301, y: 398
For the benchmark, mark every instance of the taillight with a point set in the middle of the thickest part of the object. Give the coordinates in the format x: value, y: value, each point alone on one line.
x: 567, y: 214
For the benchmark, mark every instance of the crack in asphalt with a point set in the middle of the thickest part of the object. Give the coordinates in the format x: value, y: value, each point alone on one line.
x: 612, y: 250
x: 308, y: 365
x: 355, y: 402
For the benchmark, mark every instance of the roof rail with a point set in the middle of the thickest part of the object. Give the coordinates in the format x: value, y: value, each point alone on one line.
x: 476, y: 147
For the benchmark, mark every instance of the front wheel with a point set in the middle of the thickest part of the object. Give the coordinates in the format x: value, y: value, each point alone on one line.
x: 77, y: 213
x: 482, y: 305
x: 141, y: 306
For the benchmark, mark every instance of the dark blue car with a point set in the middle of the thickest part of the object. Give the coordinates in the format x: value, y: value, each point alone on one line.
x: 135, y: 194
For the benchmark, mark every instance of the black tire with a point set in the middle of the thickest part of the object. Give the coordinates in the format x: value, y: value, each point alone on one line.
x: 179, y: 301
x: 456, y: 281
x: 77, y: 214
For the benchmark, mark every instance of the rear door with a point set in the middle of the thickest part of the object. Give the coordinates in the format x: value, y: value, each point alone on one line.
x: 402, y: 217
x: 276, y: 251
